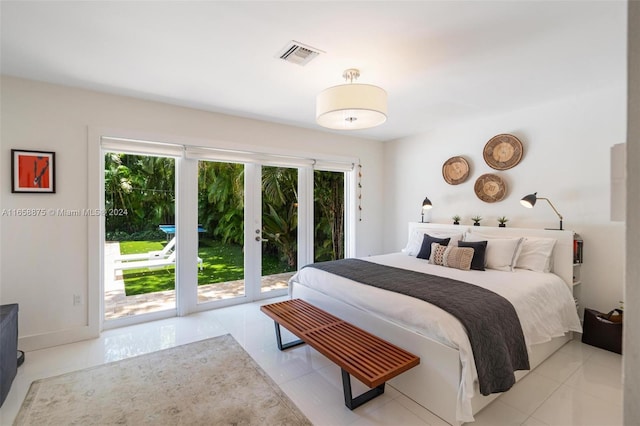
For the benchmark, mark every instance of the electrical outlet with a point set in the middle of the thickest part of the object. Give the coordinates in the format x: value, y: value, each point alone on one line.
x: 77, y: 300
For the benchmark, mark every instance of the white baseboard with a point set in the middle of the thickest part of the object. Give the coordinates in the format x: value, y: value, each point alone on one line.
x: 47, y: 340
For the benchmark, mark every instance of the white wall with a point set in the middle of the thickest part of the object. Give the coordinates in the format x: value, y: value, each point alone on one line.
x: 566, y: 158
x: 44, y: 260
x: 631, y: 344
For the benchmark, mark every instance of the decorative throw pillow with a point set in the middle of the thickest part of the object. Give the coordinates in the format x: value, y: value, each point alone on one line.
x: 479, y: 252
x: 425, y: 250
x: 415, y: 240
x: 458, y: 257
x: 437, y: 254
x: 451, y: 256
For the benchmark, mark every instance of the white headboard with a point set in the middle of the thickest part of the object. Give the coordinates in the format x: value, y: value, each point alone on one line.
x: 562, y: 251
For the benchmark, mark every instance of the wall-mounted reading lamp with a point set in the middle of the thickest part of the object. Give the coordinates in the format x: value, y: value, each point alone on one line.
x: 426, y: 205
x: 530, y: 200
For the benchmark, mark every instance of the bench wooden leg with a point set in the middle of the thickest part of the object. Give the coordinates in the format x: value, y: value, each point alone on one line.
x: 353, y: 403
x: 284, y: 346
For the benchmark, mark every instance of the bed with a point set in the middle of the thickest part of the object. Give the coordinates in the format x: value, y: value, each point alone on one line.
x: 537, y: 283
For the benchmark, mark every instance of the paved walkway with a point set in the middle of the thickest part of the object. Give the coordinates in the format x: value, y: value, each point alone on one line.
x: 117, y: 304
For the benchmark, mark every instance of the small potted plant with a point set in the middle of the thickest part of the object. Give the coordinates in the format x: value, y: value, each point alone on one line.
x: 502, y: 221
x: 456, y: 220
x: 476, y: 220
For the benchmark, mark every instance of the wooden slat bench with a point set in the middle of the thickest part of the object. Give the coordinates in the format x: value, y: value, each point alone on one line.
x: 368, y: 358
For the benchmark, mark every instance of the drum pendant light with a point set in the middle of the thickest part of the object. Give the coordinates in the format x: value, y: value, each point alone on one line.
x: 351, y: 106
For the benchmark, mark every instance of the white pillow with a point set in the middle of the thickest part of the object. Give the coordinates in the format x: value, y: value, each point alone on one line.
x: 536, y: 254
x: 415, y: 242
x: 502, y: 253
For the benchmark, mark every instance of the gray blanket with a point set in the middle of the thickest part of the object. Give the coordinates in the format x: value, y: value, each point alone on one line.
x: 490, y: 320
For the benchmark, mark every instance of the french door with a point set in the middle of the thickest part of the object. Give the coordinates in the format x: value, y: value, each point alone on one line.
x: 206, y: 228
x: 278, y: 204
x: 249, y: 214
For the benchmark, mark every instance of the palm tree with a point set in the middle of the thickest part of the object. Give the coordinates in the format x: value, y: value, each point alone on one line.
x: 221, y: 200
x: 158, y: 188
x: 281, y: 228
x: 329, y: 215
x: 144, y: 186
x: 280, y: 212
x: 280, y: 185
x: 117, y: 187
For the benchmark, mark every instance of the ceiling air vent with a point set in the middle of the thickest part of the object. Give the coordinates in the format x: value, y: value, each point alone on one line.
x: 298, y: 53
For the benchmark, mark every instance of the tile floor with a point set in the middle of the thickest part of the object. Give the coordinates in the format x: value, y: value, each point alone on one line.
x: 578, y: 385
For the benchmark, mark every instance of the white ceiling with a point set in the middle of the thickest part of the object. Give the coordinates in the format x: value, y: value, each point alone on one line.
x: 441, y: 62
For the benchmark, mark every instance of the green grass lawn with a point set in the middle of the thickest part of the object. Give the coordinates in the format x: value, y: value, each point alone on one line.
x: 222, y: 263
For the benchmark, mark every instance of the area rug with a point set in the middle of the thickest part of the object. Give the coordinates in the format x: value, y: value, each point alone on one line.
x: 210, y: 382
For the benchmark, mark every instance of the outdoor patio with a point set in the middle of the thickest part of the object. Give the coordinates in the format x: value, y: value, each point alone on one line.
x: 117, y: 304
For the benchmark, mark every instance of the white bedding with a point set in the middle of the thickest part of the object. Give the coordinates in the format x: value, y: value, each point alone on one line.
x: 543, y: 302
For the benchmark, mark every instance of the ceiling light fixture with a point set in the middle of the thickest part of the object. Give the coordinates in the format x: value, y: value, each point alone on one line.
x: 351, y: 106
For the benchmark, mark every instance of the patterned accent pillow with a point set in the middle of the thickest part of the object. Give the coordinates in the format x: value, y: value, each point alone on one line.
x: 451, y: 257
x: 459, y: 258
x: 437, y: 254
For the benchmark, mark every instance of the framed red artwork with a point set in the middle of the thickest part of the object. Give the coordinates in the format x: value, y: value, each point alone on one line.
x: 33, y: 171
